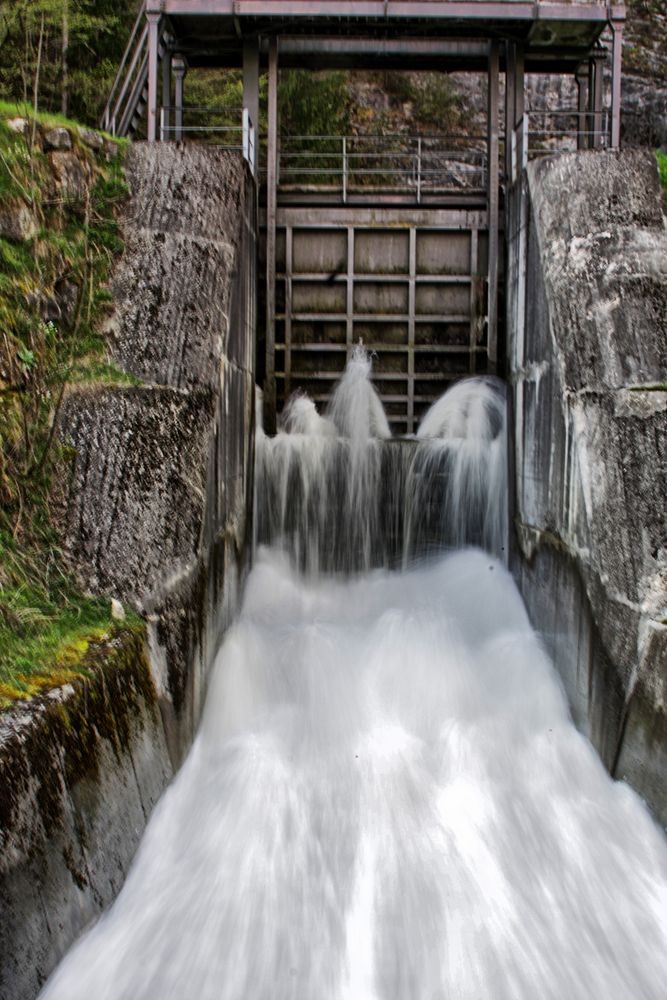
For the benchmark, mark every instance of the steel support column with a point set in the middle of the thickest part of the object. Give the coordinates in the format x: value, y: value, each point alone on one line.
x: 519, y: 86
x: 271, y: 209
x: 581, y: 76
x: 617, y: 60
x: 493, y: 181
x: 153, y: 45
x: 251, y: 89
x: 165, y: 120
x: 510, y: 85
x: 519, y: 105
x: 595, y: 84
x: 179, y: 66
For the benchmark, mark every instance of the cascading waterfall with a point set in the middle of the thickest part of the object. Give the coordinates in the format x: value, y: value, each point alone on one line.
x: 386, y: 799
x: 340, y: 495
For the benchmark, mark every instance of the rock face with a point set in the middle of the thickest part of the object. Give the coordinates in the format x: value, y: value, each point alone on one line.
x: 154, y: 510
x: 589, y: 370
x: 18, y: 221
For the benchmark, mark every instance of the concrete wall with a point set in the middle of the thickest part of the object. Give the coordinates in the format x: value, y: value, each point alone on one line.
x: 80, y: 771
x: 587, y: 298
x: 154, y: 510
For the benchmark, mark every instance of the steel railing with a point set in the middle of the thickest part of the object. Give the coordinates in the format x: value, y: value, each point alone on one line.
x: 546, y: 131
x: 127, y: 72
x: 229, y: 127
x: 354, y: 164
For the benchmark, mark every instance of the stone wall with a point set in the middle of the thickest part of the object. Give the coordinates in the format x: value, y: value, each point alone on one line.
x: 154, y: 511
x: 588, y: 365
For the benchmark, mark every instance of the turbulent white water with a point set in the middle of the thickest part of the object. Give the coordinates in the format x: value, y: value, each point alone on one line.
x: 386, y: 800
x: 340, y: 496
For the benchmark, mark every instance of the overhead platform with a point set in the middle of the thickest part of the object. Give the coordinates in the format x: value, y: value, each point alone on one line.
x: 349, y: 33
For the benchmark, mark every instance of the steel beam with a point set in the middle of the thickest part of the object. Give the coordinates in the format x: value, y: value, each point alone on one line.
x: 370, y: 217
x: 581, y: 76
x: 595, y: 92
x: 617, y: 59
x: 153, y: 44
x: 251, y: 90
x: 493, y: 203
x: 166, y: 97
x: 180, y: 67
x: 510, y: 87
x: 382, y: 47
x: 519, y: 86
x: 474, y: 10
x: 412, y: 309
x: 271, y: 209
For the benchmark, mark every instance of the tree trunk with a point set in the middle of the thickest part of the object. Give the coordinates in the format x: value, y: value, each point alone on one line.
x: 65, y: 47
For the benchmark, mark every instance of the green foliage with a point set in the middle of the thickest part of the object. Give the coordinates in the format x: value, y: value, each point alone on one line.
x: 53, y: 296
x: 313, y: 103
x: 69, y: 48
x: 434, y: 102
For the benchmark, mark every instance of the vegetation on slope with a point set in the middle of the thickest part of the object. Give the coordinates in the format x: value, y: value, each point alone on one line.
x: 662, y: 168
x: 58, y: 239
x: 63, y: 52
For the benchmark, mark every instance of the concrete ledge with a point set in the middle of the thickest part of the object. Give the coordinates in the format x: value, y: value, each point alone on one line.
x: 80, y: 771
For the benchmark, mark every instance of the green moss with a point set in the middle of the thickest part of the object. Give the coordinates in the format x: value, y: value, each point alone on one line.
x: 654, y: 387
x: 47, y: 625
x: 61, y: 748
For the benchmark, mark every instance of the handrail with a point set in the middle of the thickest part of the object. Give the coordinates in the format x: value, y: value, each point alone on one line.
x: 421, y: 165
x: 140, y: 19
x: 244, y: 129
x: 527, y: 133
x: 138, y: 85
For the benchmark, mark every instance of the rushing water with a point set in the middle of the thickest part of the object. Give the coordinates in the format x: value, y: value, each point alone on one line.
x: 338, y: 495
x: 386, y: 799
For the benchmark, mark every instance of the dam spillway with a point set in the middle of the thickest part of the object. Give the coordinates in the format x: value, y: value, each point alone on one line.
x: 387, y: 797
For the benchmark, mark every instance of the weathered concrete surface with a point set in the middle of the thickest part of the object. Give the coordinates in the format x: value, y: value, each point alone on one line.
x: 154, y: 445
x: 153, y: 510
x: 588, y: 358
x: 80, y: 771
x: 182, y: 240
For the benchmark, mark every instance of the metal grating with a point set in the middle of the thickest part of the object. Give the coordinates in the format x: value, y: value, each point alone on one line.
x: 412, y: 286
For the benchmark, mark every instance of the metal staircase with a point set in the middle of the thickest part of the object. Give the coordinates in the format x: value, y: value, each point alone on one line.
x: 129, y: 95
